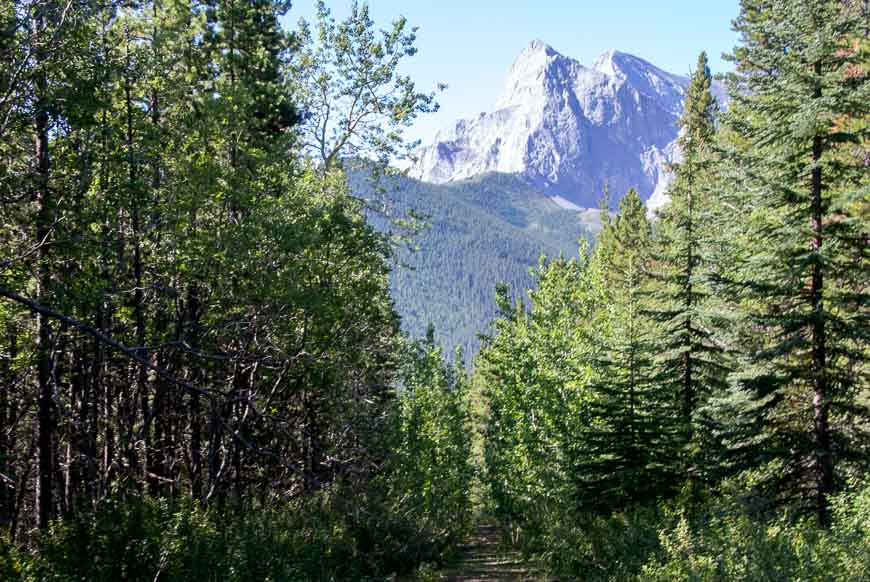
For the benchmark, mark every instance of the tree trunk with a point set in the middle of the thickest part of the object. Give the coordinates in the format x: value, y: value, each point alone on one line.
x: 688, y: 381
x: 138, y: 292
x: 151, y: 414
x: 43, y: 199
x: 193, y: 313
x: 7, y: 415
x: 822, y: 431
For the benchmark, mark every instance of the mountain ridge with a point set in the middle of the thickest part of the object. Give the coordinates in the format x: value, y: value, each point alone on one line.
x: 570, y: 129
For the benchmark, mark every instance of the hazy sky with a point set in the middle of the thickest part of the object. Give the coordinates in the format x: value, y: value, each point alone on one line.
x: 470, y: 44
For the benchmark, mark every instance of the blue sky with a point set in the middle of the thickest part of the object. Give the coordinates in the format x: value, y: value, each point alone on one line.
x: 470, y: 44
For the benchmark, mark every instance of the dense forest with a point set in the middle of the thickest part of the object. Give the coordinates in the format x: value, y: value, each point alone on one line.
x: 202, y: 370
x: 472, y: 235
x: 200, y: 353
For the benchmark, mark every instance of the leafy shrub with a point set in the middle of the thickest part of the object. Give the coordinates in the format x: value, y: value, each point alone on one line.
x: 595, y: 547
x: 334, y: 535
x: 11, y: 560
x: 703, y: 540
x: 735, y: 547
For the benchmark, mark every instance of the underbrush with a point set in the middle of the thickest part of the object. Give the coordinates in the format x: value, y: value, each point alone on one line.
x: 716, y: 540
x: 330, y: 537
x: 737, y: 547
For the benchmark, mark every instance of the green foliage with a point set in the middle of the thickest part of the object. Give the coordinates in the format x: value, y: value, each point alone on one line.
x: 600, y: 546
x: 690, y: 356
x: 321, y: 538
x: 736, y: 547
x: 202, y: 375
x: 347, y: 78
x: 791, y: 261
x: 430, y: 474
x: 709, y: 540
x: 12, y: 560
x: 534, y: 372
x: 208, y: 388
x: 415, y: 511
x: 627, y: 455
x: 478, y: 233
x: 729, y: 338
x: 576, y: 422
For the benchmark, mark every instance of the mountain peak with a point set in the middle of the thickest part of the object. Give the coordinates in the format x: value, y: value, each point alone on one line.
x: 536, y: 67
x: 605, y: 62
x: 533, y: 59
x: 569, y: 129
x: 538, y: 45
x: 642, y: 75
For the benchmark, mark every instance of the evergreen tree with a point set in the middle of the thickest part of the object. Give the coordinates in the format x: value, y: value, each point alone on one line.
x: 628, y: 451
x: 690, y: 359
x: 798, y: 178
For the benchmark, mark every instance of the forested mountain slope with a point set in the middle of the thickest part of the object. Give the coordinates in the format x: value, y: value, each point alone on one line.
x: 478, y: 232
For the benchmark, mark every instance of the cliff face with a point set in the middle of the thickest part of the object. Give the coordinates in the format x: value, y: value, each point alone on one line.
x: 569, y: 129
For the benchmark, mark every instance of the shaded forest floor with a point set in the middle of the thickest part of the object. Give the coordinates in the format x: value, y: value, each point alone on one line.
x: 484, y: 559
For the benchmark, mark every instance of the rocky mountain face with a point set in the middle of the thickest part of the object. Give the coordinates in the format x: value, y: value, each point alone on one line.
x: 568, y: 129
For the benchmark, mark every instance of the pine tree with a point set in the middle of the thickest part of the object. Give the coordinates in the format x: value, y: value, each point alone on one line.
x: 798, y: 203
x: 253, y: 53
x: 626, y: 455
x: 690, y: 359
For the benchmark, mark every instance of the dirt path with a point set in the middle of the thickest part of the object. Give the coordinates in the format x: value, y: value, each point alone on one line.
x: 482, y: 560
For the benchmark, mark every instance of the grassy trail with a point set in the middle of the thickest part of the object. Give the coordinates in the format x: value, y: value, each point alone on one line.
x: 482, y: 559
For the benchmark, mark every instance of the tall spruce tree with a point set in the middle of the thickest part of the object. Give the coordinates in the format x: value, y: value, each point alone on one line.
x: 628, y: 451
x: 690, y: 360
x: 799, y: 182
